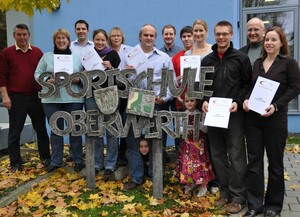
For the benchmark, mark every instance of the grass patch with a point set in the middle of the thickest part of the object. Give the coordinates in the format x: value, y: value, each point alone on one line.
x: 293, y: 140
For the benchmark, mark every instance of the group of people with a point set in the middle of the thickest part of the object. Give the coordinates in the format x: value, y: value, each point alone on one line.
x: 232, y: 156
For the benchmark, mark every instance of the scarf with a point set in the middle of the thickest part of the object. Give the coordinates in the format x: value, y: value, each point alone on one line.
x: 66, y: 51
x: 104, y: 51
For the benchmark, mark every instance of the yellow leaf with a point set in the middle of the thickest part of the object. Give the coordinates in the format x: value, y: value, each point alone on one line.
x: 104, y: 213
x: 286, y: 177
x: 94, y: 197
x: 295, y: 186
x: 185, y: 214
x: 33, y: 199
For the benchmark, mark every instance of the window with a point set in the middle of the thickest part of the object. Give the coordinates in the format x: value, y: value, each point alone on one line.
x: 260, y: 3
x: 283, y: 13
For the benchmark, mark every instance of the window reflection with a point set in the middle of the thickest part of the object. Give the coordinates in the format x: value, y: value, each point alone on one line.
x: 284, y: 19
x: 260, y: 3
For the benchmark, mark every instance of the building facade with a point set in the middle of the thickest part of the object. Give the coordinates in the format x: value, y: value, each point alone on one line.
x: 131, y: 15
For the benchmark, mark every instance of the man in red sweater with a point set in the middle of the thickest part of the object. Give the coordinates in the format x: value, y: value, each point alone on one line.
x: 20, y: 95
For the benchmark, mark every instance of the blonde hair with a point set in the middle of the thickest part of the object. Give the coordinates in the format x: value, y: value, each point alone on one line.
x: 201, y: 22
x: 62, y: 32
x: 116, y: 28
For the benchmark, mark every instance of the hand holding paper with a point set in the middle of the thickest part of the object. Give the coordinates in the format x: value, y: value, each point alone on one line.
x: 218, y: 112
x: 262, y: 94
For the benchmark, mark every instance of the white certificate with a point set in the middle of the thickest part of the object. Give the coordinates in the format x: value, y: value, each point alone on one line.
x: 63, y: 63
x: 262, y: 94
x: 218, y: 112
x: 193, y: 61
x: 137, y: 58
x: 92, y: 61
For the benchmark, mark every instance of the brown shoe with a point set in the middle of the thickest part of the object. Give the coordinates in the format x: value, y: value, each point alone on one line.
x: 129, y: 186
x: 234, y: 208
x: 221, y: 202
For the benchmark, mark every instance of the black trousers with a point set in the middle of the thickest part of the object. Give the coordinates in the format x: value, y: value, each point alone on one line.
x: 21, y: 106
x: 228, y: 155
x: 272, y: 140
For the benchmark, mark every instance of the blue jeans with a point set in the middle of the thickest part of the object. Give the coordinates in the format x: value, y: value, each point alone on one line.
x: 112, y: 142
x: 134, y: 158
x: 57, y: 142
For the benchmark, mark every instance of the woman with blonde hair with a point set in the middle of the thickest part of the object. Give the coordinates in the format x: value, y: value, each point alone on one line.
x: 65, y: 102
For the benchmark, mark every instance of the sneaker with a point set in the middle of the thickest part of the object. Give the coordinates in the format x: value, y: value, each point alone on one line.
x: 69, y: 158
x: 234, y: 208
x: 46, y: 162
x: 78, y: 167
x: 252, y: 213
x: 51, y: 168
x: 189, y: 188
x: 202, y: 191
x: 108, y: 172
x: 130, y: 186
x: 17, y: 167
x: 97, y: 170
x: 214, y: 190
x: 221, y: 202
x: 270, y: 213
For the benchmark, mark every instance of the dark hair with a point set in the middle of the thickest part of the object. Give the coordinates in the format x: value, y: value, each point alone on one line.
x: 168, y: 27
x: 284, y: 49
x: 186, y: 29
x: 21, y: 26
x: 224, y: 23
x: 82, y: 21
x: 95, y: 32
x: 142, y: 138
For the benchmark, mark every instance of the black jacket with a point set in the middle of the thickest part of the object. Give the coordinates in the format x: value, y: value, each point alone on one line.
x: 232, y: 76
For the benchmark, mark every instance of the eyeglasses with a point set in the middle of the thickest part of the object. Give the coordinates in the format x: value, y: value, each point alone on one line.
x: 116, y: 36
x: 224, y: 34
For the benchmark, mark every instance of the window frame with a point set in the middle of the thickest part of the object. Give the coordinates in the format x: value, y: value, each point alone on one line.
x: 269, y: 9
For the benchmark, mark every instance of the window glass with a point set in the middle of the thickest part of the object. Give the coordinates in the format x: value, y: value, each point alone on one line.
x: 284, y: 19
x: 260, y: 3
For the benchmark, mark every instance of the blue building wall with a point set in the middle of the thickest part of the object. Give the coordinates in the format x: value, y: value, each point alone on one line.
x: 131, y: 15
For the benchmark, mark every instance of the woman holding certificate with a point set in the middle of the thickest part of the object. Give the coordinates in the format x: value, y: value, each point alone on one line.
x: 110, y: 60
x: 62, y: 59
x: 268, y: 131
x: 116, y: 41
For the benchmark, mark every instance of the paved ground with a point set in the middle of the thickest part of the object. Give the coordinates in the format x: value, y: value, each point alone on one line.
x: 291, y: 207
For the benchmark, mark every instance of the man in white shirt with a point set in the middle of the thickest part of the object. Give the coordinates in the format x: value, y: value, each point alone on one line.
x: 159, y: 60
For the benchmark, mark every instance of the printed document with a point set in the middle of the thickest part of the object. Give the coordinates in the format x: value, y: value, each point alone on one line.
x: 92, y: 61
x: 63, y: 63
x: 136, y: 58
x: 262, y: 94
x: 218, y: 112
x: 193, y: 61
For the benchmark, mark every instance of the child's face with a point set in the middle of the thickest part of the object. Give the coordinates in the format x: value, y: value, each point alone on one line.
x: 190, y: 103
x: 144, y: 147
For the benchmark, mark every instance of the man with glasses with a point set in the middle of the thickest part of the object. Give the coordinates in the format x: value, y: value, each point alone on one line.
x: 231, y: 79
x: 255, y: 35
